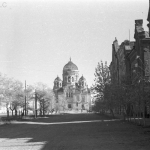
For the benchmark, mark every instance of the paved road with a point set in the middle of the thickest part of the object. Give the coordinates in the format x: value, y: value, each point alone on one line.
x: 74, y: 132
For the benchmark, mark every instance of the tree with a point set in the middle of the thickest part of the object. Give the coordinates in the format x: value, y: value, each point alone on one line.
x: 15, y: 94
x: 44, y: 97
x: 12, y: 91
x: 102, y: 80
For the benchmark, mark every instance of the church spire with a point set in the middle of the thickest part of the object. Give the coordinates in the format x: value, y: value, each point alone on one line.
x: 70, y: 58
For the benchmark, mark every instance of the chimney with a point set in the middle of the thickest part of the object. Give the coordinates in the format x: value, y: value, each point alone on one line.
x: 139, y: 28
x: 139, y: 22
x: 115, y: 43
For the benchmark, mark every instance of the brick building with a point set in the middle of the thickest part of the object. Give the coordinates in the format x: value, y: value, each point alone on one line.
x: 114, y: 66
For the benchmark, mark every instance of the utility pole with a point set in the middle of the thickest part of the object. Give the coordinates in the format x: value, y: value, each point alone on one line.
x: 129, y: 35
x: 25, y: 99
x: 35, y: 104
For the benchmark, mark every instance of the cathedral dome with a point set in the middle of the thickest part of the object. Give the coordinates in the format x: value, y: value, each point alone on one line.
x: 57, y: 79
x: 70, y: 66
x: 82, y: 79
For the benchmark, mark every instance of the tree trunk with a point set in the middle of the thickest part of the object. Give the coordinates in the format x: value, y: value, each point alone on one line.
x: 124, y: 113
x: 144, y: 120
x: 43, y: 109
x: 111, y: 111
x: 139, y: 113
x: 7, y: 112
x: 134, y: 113
x: 40, y: 111
x: 15, y: 112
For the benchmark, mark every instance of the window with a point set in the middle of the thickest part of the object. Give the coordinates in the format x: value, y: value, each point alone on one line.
x: 77, y: 104
x: 72, y: 79
x: 82, y: 83
x: 57, y: 84
x: 60, y: 84
x: 83, y: 107
x: 69, y: 78
x: 83, y: 99
x: 76, y: 78
x: 69, y: 105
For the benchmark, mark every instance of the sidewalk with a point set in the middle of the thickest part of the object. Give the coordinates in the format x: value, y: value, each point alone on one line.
x: 135, y: 121
x: 7, y: 120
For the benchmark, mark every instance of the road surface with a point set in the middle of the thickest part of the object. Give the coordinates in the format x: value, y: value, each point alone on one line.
x: 74, y: 132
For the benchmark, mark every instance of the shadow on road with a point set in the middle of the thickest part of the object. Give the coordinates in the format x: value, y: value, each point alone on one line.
x: 91, y: 132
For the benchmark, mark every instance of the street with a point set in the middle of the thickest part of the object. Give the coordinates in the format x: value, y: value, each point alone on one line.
x: 74, y: 132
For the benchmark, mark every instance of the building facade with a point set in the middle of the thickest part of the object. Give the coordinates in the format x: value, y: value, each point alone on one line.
x: 72, y: 92
x: 114, y: 66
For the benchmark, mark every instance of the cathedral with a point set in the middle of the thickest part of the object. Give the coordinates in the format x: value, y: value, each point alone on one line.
x: 72, y: 93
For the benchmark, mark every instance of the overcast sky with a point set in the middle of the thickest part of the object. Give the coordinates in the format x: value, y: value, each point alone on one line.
x: 37, y: 38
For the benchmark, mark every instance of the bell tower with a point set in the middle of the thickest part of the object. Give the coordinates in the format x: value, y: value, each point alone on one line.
x: 57, y: 83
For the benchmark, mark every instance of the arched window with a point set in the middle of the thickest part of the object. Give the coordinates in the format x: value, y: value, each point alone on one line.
x: 69, y: 79
x: 57, y: 84
x: 72, y: 79
x: 76, y: 77
x: 60, y: 84
x: 82, y: 83
x: 69, y: 105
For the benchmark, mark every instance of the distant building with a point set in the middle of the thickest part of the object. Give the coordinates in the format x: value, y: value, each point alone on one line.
x: 71, y: 93
x: 3, y: 107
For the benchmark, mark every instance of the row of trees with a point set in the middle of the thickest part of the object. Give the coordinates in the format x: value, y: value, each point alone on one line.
x: 13, y: 94
x: 129, y: 100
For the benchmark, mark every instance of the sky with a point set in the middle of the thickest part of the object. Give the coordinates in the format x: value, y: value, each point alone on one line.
x: 38, y: 37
